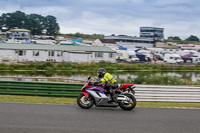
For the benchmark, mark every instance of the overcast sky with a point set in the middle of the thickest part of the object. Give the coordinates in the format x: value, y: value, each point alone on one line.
x: 177, y: 17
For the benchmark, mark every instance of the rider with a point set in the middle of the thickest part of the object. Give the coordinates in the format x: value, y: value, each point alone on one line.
x: 107, y: 78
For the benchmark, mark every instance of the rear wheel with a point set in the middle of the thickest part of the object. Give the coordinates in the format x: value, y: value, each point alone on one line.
x: 85, y: 103
x: 129, y: 104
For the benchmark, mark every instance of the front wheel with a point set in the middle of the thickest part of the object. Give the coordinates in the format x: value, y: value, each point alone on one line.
x: 129, y: 104
x: 85, y: 103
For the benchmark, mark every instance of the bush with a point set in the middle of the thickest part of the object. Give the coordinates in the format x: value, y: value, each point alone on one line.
x: 47, y: 65
x: 159, y: 80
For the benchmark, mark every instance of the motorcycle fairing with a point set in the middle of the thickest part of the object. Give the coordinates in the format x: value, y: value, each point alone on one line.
x: 123, y: 86
x: 85, y: 94
x: 99, y: 96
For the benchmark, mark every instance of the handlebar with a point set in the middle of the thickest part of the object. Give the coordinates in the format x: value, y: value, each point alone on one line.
x: 90, y: 83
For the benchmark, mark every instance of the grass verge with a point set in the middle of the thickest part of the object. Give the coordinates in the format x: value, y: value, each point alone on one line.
x: 34, y: 99
x: 52, y: 100
x: 168, y: 104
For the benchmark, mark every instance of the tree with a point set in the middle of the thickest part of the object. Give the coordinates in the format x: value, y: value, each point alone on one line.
x: 11, y: 20
x: 174, y: 38
x: 1, y: 23
x: 177, y: 38
x: 170, y: 38
x: 33, y: 22
x: 51, y: 25
x: 192, y: 38
x: 78, y: 34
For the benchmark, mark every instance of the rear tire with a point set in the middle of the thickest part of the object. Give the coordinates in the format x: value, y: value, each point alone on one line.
x: 85, y: 103
x: 131, y: 105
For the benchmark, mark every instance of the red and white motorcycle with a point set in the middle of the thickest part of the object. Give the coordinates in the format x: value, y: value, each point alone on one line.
x: 98, y: 95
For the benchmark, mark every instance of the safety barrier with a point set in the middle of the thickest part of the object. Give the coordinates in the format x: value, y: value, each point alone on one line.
x: 46, y: 89
x: 143, y: 92
x: 162, y: 93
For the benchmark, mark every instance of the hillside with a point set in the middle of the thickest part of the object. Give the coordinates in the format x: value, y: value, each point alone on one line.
x: 83, y: 36
x: 183, y: 42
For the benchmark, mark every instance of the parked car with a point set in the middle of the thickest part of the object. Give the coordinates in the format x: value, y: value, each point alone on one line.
x: 126, y: 56
x: 196, y: 60
x: 172, y: 58
x: 159, y: 56
x: 132, y: 59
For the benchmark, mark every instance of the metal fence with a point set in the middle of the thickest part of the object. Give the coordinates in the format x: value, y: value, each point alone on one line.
x: 46, y: 89
x: 167, y: 93
x: 143, y: 92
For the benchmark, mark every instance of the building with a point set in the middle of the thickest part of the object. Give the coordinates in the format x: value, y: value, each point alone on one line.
x: 161, y: 45
x: 19, y: 34
x: 105, y: 43
x: 56, y: 53
x: 152, y: 32
x: 132, y: 42
x: 89, y: 42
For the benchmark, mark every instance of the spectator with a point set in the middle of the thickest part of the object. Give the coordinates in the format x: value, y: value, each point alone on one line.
x: 148, y: 59
x: 154, y: 58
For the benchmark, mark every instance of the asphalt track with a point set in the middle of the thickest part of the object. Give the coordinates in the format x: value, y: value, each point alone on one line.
x: 51, y: 118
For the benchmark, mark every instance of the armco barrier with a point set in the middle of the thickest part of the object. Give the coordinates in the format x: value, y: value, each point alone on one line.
x: 47, y: 89
x: 143, y: 92
x: 161, y: 93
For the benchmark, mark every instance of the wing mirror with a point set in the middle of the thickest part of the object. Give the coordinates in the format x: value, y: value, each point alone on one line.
x: 89, y: 78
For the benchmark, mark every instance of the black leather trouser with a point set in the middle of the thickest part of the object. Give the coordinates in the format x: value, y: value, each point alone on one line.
x: 110, y: 86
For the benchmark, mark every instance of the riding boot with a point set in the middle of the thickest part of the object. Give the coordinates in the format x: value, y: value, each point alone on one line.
x: 113, y: 96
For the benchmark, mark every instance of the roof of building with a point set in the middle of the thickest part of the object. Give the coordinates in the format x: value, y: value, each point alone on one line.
x: 107, y: 41
x: 55, y: 47
x: 24, y: 30
x: 151, y: 28
x: 128, y: 38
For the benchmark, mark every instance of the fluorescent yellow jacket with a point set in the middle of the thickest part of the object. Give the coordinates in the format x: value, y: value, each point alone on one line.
x: 109, y: 78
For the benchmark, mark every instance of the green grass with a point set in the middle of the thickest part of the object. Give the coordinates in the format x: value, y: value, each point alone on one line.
x: 51, y: 100
x: 168, y: 104
x: 34, y: 99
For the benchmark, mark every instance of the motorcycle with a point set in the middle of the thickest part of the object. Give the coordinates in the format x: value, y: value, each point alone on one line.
x: 97, y: 94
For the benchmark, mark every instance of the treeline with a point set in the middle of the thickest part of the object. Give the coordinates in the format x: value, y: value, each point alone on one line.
x: 86, y: 36
x: 190, y: 38
x: 36, y: 23
x: 183, y: 42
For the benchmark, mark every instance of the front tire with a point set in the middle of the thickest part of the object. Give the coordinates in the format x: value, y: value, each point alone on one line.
x: 130, y: 105
x: 85, y: 103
